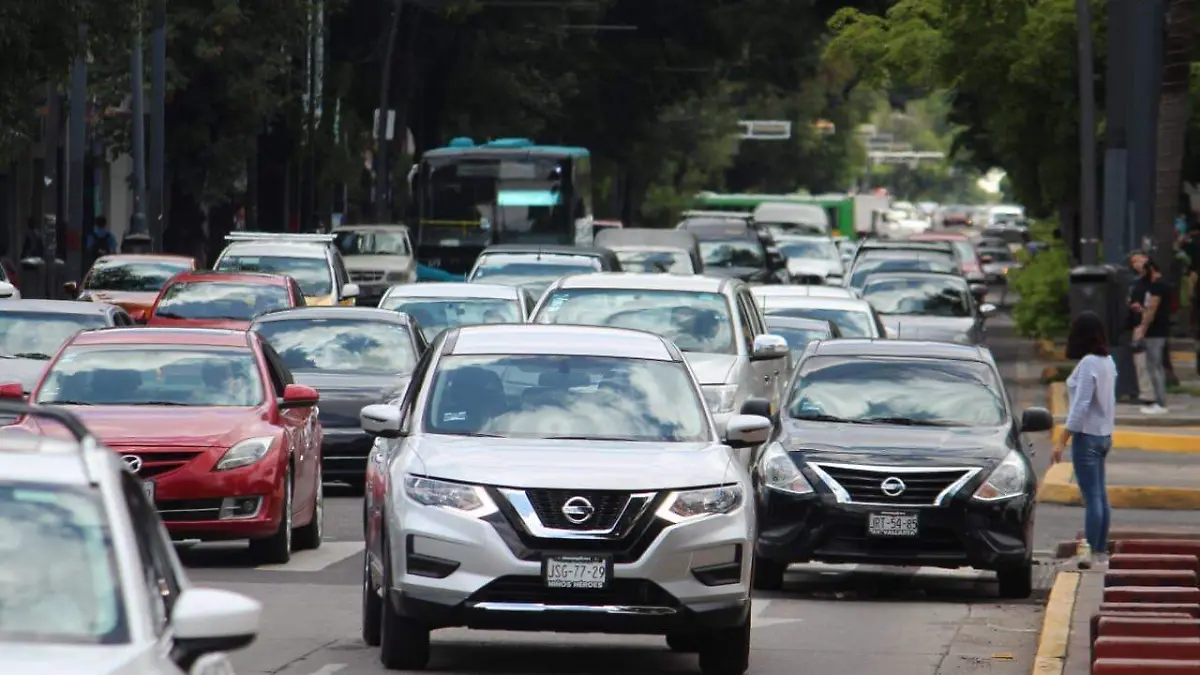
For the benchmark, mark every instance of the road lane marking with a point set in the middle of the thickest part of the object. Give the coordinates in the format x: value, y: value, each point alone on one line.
x: 330, y: 553
x: 757, y: 620
x: 329, y: 669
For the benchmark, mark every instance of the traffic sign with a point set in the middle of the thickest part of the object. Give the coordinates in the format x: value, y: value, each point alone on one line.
x: 765, y: 130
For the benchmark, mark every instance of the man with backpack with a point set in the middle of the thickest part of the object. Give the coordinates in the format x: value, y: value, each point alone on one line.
x: 100, y: 242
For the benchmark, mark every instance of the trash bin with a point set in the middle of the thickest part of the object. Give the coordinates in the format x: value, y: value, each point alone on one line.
x: 1101, y: 289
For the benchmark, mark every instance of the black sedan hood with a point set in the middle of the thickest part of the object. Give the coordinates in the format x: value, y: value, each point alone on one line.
x: 893, y: 445
x: 343, y: 396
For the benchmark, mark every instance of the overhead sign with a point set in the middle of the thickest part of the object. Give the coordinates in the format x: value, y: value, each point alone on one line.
x: 765, y: 130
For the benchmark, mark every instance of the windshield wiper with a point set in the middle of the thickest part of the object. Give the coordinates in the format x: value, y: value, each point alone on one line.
x: 64, y: 402
x: 32, y: 355
x: 154, y: 403
x: 906, y: 421
x: 584, y: 438
x: 169, y: 315
x: 474, y: 434
x: 821, y: 417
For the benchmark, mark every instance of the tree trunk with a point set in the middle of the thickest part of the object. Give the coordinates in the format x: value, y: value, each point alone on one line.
x: 1173, y: 111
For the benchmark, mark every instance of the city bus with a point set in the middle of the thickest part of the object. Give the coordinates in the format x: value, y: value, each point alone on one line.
x: 506, y: 191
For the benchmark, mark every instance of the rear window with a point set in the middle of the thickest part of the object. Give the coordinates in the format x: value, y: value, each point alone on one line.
x: 214, y: 300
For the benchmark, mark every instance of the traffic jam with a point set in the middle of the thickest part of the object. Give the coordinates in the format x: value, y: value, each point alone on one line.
x: 629, y: 431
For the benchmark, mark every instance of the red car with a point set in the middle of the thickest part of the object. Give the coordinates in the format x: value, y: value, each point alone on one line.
x: 222, y: 299
x: 968, y: 258
x: 226, y: 446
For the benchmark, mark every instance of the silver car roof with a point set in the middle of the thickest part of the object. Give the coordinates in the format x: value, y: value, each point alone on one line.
x: 452, y: 289
x: 560, y: 339
x: 644, y: 282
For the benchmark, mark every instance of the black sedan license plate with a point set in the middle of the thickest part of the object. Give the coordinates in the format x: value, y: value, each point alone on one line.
x: 892, y: 524
x: 577, y: 571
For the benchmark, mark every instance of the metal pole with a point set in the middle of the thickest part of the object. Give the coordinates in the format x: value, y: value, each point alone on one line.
x: 1088, y: 232
x: 1118, y: 85
x: 77, y: 142
x: 381, y: 154
x: 137, y: 74
x: 158, y: 85
x: 50, y: 181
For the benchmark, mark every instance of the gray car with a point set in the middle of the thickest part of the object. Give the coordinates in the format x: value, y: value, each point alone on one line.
x: 713, y: 320
x: 812, y: 259
x: 438, y: 306
x: 557, y: 478
x: 928, y: 306
x: 853, y: 316
x: 32, y: 331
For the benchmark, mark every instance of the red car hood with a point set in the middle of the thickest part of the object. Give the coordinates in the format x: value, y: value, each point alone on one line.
x: 169, y: 427
x: 228, y: 324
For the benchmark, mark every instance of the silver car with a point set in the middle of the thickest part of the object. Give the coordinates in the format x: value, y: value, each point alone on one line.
x: 557, y: 478
x: 854, y: 317
x: 928, y: 306
x: 713, y: 320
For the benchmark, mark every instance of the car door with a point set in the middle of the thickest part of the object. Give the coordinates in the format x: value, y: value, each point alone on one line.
x: 300, y: 431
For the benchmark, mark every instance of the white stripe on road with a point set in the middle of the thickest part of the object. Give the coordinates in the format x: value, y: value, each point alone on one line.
x: 330, y: 553
x: 329, y: 669
x: 757, y: 620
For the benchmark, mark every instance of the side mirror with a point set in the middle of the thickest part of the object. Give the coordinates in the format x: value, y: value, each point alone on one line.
x: 350, y: 291
x: 208, y: 620
x: 299, y: 396
x: 70, y: 288
x: 382, y: 421
x: 7, y: 290
x: 759, y: 407
x: 747, y: 431
x: 768, y: 347
x: 986, y: 259
x: 1036, y: 419
x: 12, y: 391
x: 987, y: 309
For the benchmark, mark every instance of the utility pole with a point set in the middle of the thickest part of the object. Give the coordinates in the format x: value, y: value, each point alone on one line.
x: 137, y: 76
x: 51, y: 179
x: 382, y: 196
x: 77, y: 144
x: 1088, y: 225
x: 158, y: 139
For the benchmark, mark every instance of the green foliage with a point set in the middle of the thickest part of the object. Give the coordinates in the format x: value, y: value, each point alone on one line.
x: 1043, y: 284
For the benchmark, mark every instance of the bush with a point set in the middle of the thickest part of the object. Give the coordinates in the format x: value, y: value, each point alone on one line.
x: 1043, y: 310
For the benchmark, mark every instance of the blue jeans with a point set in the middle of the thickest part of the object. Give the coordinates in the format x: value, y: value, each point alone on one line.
x: 1088, y: 454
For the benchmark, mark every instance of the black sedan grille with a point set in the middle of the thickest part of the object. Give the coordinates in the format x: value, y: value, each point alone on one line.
x: 608, y: 506
x: 883, y: 485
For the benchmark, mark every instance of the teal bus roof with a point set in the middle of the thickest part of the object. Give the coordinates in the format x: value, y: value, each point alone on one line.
x: 504, y: 146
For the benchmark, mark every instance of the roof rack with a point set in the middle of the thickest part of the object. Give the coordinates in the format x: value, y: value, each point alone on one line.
x: 280, y: 237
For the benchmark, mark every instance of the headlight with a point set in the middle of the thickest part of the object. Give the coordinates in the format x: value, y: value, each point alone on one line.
x: 469, y: 499
x: 1007, y: 480
x: 245, y: 453
x: 690, y: 504
x: 777, y: 471
x: 720, y: 397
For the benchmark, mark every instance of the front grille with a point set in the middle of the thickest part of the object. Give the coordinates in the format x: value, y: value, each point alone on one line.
x: 865, y: 485
x: 360, y: 276
x: 155, y: 464
x: 188, y: 510
x: 531, y: 589
x: 548, y: 505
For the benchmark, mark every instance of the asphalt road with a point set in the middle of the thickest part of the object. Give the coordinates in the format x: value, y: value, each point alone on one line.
x: 828, y: 619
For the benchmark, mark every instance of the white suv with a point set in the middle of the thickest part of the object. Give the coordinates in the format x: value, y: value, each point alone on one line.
x: 89, y: 581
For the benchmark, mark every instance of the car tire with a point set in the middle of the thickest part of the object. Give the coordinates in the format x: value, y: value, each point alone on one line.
x: 403, y: 642
x: 372, y: 606
x: 1016, y: 583
x: 685, y: 643
x: 308, y: 537
x: 277, y: 548
x: 768, y: 574
x: 726, y: 651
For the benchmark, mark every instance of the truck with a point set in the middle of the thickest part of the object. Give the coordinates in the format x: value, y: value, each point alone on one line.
x: 850, y: 215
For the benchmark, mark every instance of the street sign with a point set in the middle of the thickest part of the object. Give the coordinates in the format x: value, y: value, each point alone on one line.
x: 765, y: 130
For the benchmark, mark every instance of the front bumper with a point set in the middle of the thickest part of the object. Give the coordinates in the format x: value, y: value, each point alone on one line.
x: 452, y: 570
x: 344, y: 453
x: 961, y: 533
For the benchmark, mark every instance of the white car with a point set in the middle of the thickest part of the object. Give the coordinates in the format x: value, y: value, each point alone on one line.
x: 89, y: 581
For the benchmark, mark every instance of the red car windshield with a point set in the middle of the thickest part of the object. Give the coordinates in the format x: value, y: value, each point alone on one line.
x: 215, y: 300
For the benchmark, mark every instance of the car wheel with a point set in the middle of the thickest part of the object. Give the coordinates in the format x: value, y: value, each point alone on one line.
x: 768, y: 574
x: 308, y: 537
x: 726, y: 651
x: 372, y: 605
x: 403, y: 642
x: 685, y: 643
x: 1016, y: 583
x: 277, y: 548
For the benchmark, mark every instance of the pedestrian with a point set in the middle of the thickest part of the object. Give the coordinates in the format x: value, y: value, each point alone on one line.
x: 100, y: 242
x: 1137, y: 296
x: 1152, y: 332
x: 1092, y: 397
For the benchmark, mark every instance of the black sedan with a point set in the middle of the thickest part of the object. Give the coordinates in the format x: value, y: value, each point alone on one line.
x: 354, y: 357
x: 897, y: 452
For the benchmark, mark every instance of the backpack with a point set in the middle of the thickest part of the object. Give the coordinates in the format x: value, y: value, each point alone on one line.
x: 101, y: 244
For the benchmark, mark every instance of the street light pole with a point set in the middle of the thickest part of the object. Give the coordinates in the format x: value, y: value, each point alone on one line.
x: 137, y: 75
x: 1088, y: 231
x: 77, y: 144
x: 381, y: 123
x: 158, y: 106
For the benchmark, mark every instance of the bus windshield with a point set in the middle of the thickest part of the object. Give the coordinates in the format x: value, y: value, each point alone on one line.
x: 477, y: 195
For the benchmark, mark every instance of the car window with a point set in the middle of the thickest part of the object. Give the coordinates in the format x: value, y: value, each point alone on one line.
x: 39, y: 335
x: 149, y: 375
x: 695, y: 322
x: 852, y: 323
x: 925, y: 263
x: 58, y: 572
x: 655, y: 261
x: 798, y: 338
x: 435, y: 315
x: 132, y: 276
x: 158, y: 571
x: 919, y: 391
x: 216, y: 300
x: 341, y: 345
x: 745, y: 312
x: 313, y: 274
x: 927, y: 297
x: 514, y: 269
x: 810, y: 249
x: 733, y: 253
x: 371, y: 242
x: 545, y: 396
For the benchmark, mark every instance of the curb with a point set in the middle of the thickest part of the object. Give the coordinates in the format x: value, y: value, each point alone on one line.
x: 1167, y: 440
x: 1058, y: 487
x: 1051, y: 655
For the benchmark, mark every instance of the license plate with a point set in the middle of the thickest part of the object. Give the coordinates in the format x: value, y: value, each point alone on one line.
x: 148, y: 489
x: 892, y: 525
x: 576, y: 571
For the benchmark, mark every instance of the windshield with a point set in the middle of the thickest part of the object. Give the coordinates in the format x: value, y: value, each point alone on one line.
x: 435, y: 315
x: 313, y: 274
x: 38, y: 335
x: 861, y: 389
x: 341, y: 345
x: 851, y: 323
x: 646, y: 260
x: 964, y: 250
x: 999, y: 255
x: 797, y: 338
x: 132, y: 276
x: 514, y: 196
x: 810, y: 250
x: 153, y: 375
x: 868, y: 266
x: 927, y: 297
x: 58, y: 574
x: 371, y: 242
x: 212, y: 300
x: 518, y: 269
x: 584, y: 397
x: 733, y: 253
x: 695, y: 322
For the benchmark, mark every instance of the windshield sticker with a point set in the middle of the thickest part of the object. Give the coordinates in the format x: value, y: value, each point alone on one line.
x: 455, y: 417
